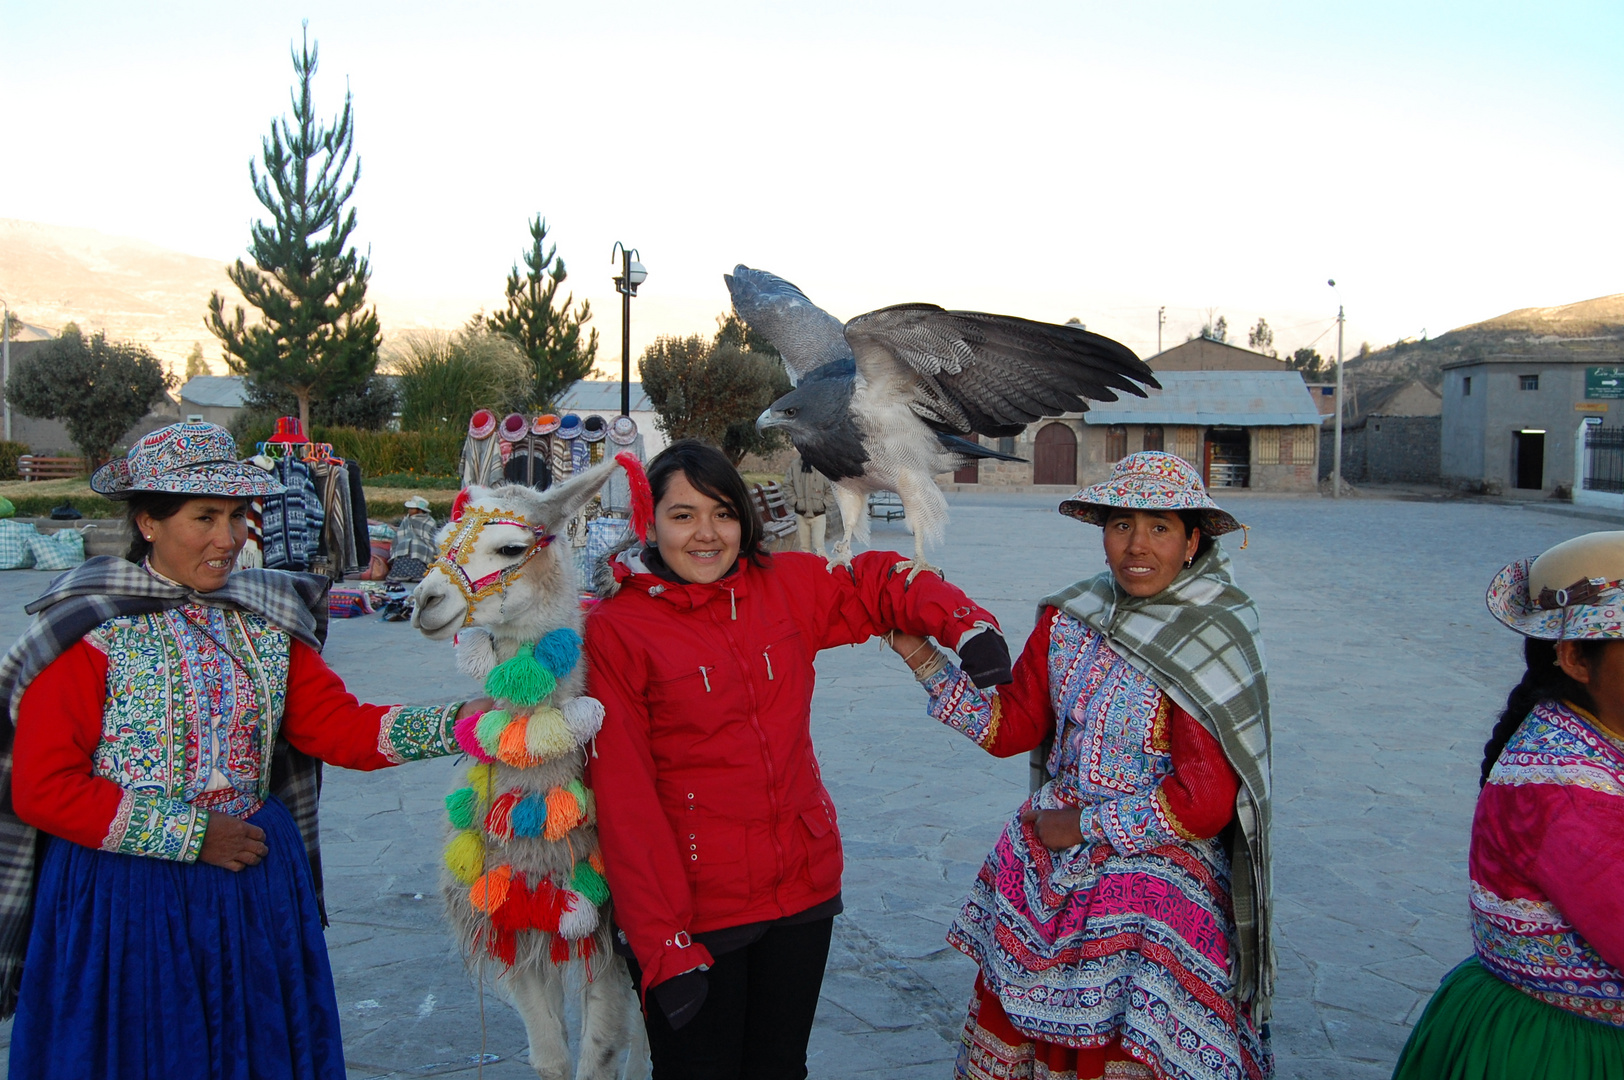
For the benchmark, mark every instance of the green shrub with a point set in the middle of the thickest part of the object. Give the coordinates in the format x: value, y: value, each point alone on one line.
x: 395, y: 454
x: 9, y: 453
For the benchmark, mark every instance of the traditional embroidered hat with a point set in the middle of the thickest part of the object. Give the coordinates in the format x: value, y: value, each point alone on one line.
x: 417, y: 502
x: 569, y: 427
x: 1575, y: 590
x: 515, y: 427
x: 184, y: 459
x: 622, y: 430
x: 545, y: 424
x: 593, y: 428
x: 288, y: 430
x: 1150, y: 480
x: 481, y: 424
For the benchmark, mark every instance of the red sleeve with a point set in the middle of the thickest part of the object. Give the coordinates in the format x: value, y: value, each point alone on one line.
x: 1023, y: 708
x: 58, y: 726
x: 645, y: 873
x: 871, y: 598
x: 1578, y: 861
x: 1199, y: 794
x: 325, y: 720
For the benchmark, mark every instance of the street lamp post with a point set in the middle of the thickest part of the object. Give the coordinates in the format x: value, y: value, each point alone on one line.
x: 5, y: 364
x: 631, y: 276
x: 1336, y: 456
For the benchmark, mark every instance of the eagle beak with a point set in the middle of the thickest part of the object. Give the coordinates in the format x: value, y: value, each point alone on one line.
x: 765, y: 420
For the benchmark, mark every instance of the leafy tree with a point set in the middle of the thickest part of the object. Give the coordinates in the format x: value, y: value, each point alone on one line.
x: 195, y: 364
x: 445, y: 377
x: 1215, y: 331
x: 315, y: 338
x: 549, y: 335
x: 98, y: 388
x: 370, y: 406
x: 1261, y: 337
x: 1311, y: 365
x: 713, y: 390
x: 13, y: 324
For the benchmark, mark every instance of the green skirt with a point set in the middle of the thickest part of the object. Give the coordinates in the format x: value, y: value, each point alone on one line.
x: 1480, y: 1027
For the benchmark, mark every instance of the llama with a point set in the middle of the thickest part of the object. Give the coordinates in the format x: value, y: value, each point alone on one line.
x: 524, y: 880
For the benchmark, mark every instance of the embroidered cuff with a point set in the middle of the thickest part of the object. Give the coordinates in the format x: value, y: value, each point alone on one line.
x: 414, y: 732
x: 1133, y: 825
x: 157, y: 827
x: 955, y: 701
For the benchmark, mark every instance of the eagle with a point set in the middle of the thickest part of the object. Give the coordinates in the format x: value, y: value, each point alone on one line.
x: 886, y: 401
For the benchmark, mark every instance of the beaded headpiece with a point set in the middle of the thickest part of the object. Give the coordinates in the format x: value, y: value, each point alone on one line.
x: 458, y: 549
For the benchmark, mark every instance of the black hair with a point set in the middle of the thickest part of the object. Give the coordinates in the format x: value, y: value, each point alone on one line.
x: 1543, y: 680
x: 712, y: 474
x: 157, y: 505
x: 1193, y: 519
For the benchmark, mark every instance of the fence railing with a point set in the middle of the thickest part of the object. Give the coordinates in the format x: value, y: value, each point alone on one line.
x: 1604, y: 459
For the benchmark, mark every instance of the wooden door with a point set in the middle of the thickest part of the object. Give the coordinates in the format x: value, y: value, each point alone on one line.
x: 1054, y: 455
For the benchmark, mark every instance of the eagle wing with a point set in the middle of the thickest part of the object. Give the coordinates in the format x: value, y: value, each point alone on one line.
x: 990, y: 374
x: 805, y: 335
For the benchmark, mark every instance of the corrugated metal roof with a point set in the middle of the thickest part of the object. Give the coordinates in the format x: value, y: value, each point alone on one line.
x: 1208, y: 398
x: 602, y: 396
x: 217, y: 391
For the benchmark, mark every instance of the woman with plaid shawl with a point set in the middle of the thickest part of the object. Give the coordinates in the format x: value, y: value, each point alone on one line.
x: 1121, y: 922
x: 165, y: 718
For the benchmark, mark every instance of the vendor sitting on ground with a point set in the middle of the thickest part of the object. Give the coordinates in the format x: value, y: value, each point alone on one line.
x: 414, y: 548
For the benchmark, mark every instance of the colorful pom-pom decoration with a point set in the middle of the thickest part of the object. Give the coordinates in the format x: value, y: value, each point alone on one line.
x: 460, y: 807
x: 642, y: 496
x: 465, y: 856
x: 547, y: 735
x: 530, y: 816
x: 584, y: 717
x: 499, y: 820
x: 589, y: 883
x: 482, y: 778
x: 559, y: 651
x: 488, y: 732
x: 490, y: 890
x: 511, y: 749
x: 546, y: 906
x: 559, y: 951
x: 563, y: 813
x: 476, y: 653
x: 580, y: 917
x: 595, y: 860
x: 520, y: 680
x: 464, y: 731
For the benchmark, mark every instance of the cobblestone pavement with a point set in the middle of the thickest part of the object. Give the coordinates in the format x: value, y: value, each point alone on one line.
x: 1385, y: 671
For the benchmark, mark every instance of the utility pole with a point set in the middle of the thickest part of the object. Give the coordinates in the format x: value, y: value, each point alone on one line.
x: 1336, y: 464
x: 5, y: 365
x: 1161, y: 319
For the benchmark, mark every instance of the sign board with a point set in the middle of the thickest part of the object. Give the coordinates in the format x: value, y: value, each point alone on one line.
x: 1604, y: 383
x: 1590, y: 406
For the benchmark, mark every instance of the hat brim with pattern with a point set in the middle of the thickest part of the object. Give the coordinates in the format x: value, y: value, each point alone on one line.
x: 1509, y: 601
x: 1155, y: 481
x: 219, y: 479
x: 622, y: 431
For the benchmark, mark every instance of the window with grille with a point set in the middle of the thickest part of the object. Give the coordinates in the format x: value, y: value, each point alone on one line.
x: 1529, y: 382
x: 1153, y: 437
x: 1187, y: 444
x: 1006, y: 444
x: 1268, y: 446
x: 1288, y: 446
x: 1116, y: 442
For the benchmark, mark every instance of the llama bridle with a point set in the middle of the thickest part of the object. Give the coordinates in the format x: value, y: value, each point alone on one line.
x: 459, y: 546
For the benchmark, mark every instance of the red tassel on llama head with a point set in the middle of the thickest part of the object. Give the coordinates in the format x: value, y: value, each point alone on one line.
x: 642, y: 494
x: 458, y: 504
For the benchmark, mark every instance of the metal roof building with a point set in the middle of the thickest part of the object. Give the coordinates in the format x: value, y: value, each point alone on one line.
x: 1215, y: 399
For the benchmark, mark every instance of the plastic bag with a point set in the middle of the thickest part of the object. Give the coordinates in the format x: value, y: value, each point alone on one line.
x: 16, y: 553
x: 61, y: 550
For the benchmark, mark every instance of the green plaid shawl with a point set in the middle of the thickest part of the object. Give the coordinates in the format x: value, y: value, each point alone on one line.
x: 1198, y: 641
x: 75, y: 604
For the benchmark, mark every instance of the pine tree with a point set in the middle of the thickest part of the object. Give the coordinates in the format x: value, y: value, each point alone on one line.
x: 195, y: 364
x: 550, y: 336
x: 315, y: 337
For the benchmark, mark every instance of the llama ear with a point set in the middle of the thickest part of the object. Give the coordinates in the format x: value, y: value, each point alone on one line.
x: 560, y: 502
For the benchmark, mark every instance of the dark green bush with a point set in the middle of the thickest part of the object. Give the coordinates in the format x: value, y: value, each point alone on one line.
x: 398, y: 454
x: 9, y: 453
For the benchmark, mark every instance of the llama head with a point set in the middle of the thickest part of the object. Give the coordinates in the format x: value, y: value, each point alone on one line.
x: 503, y: 567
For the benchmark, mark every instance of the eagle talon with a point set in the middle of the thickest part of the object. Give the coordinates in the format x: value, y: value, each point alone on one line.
x: 841, y: 557
x: 914, y: 566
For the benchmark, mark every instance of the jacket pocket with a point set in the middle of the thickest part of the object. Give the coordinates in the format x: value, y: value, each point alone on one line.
x: 713, y: 852
x: 824, y: 859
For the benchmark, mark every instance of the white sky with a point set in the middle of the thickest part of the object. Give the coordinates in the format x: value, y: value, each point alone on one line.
x: 1445, y: 162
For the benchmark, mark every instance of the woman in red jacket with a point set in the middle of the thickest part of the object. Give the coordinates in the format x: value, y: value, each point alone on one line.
x: 720, y: 839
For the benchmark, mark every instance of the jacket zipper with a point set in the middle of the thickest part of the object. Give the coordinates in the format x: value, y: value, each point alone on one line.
x: 767, y: 759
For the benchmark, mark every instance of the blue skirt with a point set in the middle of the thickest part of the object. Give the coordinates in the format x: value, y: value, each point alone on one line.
x: 146, y: 968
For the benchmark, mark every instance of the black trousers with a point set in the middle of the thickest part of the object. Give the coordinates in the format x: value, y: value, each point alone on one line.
x: 757, y: 1016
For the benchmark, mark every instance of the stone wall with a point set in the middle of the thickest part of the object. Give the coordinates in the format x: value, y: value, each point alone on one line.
x: 1387, y: 450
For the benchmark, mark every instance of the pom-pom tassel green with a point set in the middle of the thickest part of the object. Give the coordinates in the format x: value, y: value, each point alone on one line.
x: 459, y: 807
x: 521, y: 680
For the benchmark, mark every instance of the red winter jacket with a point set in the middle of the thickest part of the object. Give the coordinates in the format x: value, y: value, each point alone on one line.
x: 711, y: 809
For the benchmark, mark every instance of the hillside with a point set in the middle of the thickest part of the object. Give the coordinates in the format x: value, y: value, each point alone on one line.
x: 1585, y: 328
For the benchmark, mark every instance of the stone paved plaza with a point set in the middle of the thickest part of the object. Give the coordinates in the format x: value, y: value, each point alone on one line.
x: 1386, y: 672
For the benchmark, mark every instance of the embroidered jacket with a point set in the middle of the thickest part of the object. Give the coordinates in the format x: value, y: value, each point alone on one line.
x: 132, y: 736
x: 1547, y: 853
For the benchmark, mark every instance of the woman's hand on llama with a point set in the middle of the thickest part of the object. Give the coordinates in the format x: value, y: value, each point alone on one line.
x: 1056, y: 829
x: 478, y: 705
x: 232, y: 843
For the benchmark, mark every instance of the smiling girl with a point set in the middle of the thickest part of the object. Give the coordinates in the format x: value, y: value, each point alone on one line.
x: 720, y: 839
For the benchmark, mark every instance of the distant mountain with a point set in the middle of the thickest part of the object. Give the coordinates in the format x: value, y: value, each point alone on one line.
x: 1582, y: 329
